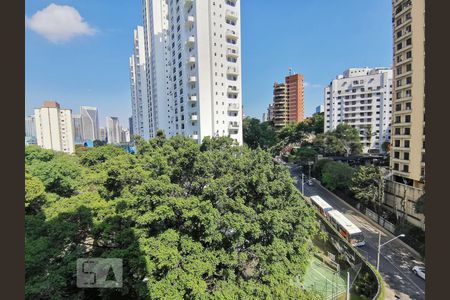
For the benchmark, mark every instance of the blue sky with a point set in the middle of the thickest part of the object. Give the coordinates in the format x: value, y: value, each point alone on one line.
x: 318, y: 39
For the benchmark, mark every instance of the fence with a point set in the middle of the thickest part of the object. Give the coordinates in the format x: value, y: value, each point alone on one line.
x: 380, y: 220
x: 359, y: 265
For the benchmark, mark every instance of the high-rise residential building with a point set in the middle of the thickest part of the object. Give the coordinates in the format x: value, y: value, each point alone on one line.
x: 77, y: 129
x: 113, y: 130
x: 264, y: 117
x: 102, y: 134
x: 362, y: 98
x: 270, y: 112
x: 89, y: 121
x: 408, y: 126
x: 30, y: 127
x: 124, y: 135
x: 288, y: 101
x: 319, y: 109
x: 130, y: 124
x: 194, y: 67
x: 54, y: 128
x: 140, y: 100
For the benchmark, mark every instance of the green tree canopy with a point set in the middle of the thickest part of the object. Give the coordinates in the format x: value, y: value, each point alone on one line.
x: 367, y: 184
x: 210, y: 221
x: 336, y: 175
x: 257, y: 134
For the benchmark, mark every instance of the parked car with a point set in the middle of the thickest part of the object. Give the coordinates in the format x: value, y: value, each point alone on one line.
x: 419, y: 271
x: 309, y: 182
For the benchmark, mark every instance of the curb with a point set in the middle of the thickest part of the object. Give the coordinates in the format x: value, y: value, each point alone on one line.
x: 378, y: 226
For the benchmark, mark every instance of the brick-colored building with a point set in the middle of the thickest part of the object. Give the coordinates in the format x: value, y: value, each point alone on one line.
x: 288, y: 101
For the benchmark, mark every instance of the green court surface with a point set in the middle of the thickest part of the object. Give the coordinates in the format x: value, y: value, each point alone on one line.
x: 324, y: 280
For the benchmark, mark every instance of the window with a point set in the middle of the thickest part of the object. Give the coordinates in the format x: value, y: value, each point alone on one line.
x: 408, y: 105
x: 408, y: 80
x: 406, y: 143
x: 408, y: 54
x: 398, y: 107
x: 408, y: 67
x: 396, y: 166
x: 397, y: 143
x: 405, y: 168
x: 397, y: 119
x: 397, y: 130
x: 407, y: 131
x: 408, y: 42
x: 397, y: 154
x: 399, y: 46
x: 408, y: 119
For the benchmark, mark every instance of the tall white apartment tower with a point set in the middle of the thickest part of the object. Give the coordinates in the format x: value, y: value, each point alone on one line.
x: 362, y: 98
x: 89, y: 121
x: 194, y: 67
x: 54, y: 128
x: 30, y: 128
x: 140, y: 101
x: 113, y: 130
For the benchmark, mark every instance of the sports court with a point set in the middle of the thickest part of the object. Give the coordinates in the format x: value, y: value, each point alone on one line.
x: 324, y: 280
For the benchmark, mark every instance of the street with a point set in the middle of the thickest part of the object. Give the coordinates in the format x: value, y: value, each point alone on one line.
x: 396, y: 260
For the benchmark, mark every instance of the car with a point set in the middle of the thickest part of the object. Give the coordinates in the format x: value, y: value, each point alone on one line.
x: 309, y: 182
x: 419, y: 271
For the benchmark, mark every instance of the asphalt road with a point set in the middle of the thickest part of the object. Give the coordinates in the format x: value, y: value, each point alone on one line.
x: 396, y: 260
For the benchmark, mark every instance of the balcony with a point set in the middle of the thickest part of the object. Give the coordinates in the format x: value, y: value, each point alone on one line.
x: 232, y: 15
x: 233, y: 126
x: 191, y: 60
x: 233, y: 90
x: 190, y: 41
x: 232, y: 51
x: 233, y: 107
x: 190, y: 21
x: 231, y: 34
x: 192, y: 79
x: 232, y: 71
x: 194, y: 117
x: 193, y: 98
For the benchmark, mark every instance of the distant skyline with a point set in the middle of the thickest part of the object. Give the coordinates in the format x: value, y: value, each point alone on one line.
x: 84, y: 61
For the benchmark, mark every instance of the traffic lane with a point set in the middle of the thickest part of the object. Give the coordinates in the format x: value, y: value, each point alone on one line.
x: 397, y: 254
x: 397, y: 274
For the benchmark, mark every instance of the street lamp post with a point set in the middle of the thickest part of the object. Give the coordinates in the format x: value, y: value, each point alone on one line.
x: 380, y: 245
x: 303, y: 185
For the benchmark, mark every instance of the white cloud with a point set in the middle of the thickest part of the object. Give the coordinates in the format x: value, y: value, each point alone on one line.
x: 58, y: 23
x: 311, y: 85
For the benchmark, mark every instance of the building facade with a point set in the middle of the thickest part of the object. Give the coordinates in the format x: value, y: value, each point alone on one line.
x: 408, y: 128
x: 30, y: 127
x: 102, y: 134
x: 288, y: 101
x: 77, y: 129
x: 140, y: 100
x: 54, y: 128
x: 319, y: 109
x: 362, y: 98
x: 89, y: 121
x: 113, y: 130
x: 193, y: 63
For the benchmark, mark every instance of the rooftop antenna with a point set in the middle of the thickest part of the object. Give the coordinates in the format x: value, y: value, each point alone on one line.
x: 290, y: 71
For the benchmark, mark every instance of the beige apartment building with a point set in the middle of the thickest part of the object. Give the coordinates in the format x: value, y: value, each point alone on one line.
x: 407, y: 182
x: 288, y: 101
x: 54, y: 127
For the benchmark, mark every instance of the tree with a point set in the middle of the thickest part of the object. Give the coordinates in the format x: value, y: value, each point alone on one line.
x: 99, y: 143
x: 420, y: 205
x: 344, y: 140
x: 386, y: 147
x: 216, y: 220
x: 305, y: 155
x: 367, y: 184
x: 336, y: 175
x: 257, y: 134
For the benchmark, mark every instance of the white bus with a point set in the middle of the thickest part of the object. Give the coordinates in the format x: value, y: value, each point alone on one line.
x: 322, y: 206
x: 346, y: 228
